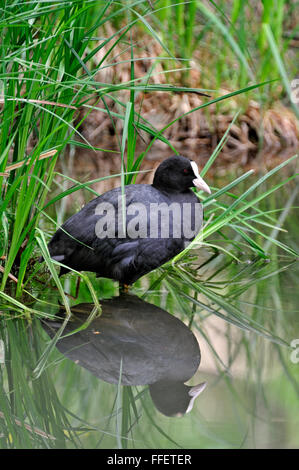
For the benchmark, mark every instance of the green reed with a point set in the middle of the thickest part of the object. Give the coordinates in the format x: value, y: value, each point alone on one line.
x: 47, y: 74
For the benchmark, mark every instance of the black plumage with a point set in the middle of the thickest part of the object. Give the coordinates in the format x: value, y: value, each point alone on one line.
x: 96, y: 239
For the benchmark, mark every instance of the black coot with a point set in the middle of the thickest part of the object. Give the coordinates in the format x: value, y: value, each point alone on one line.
x: 124, y: 236
x: 149, y: 346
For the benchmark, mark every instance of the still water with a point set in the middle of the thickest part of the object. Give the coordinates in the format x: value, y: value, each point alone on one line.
x: 201, y: 355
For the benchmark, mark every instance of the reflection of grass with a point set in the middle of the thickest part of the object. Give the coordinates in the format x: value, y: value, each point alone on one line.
x: 264, y: 293
x: 248, y: 404
x: 234, y: 292
x: 103, y: 414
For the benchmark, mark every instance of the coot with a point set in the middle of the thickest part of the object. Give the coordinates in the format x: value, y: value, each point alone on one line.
x: 149, y: 346
x: 124, y: 235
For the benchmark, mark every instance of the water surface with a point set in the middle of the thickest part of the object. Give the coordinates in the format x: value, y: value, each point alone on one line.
x: 127, y: 380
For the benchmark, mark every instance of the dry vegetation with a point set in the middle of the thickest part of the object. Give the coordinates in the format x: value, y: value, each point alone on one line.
x: 270, y: 131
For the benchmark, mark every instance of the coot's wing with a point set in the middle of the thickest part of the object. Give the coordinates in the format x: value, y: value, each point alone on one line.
x: 151, y: 254
x: 77, y: 234
x: 82, y: 243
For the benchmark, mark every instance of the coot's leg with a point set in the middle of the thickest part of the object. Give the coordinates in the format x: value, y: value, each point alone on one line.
x: 77, y: 287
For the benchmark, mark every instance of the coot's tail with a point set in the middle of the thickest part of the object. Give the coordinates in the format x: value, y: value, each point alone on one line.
x: 60, y: 250
x: 56, y: 258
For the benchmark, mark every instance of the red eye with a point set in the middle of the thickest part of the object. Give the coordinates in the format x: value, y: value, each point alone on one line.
x: 186, y: 171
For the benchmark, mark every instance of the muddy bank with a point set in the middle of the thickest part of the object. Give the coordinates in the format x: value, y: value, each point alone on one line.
x: 260, y: 137
x: 257, y: 139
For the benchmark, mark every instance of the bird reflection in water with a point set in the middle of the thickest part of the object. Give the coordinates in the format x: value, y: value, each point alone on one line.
x: 150, y: 346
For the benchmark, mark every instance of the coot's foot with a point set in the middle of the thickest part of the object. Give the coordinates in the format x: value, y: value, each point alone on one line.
x: 123, y: 288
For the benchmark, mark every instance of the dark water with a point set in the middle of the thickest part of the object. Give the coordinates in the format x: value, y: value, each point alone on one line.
x: 199, y: 356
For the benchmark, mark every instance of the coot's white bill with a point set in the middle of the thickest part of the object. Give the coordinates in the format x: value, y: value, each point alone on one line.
x: 198, y: 181
x: 194, y: 392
